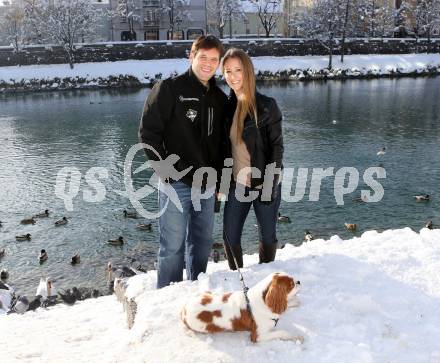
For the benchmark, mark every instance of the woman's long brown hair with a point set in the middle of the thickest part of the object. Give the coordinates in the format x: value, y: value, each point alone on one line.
x: 246, y: 103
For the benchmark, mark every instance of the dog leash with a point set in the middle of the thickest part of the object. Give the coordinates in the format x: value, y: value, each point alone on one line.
x: 245, y: 288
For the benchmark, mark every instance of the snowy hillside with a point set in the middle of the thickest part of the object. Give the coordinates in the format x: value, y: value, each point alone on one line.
x: 370, y: 299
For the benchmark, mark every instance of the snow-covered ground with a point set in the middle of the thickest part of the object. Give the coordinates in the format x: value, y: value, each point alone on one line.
x: 146, y: 71
x: 375, y: 298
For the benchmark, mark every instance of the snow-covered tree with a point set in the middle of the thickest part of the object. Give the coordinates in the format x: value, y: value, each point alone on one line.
x: 223, y: 11
x: 385, y: 18
x: 14, y: 28
x: 67, y: 21
x: 323, y: 22
x: 176, y: 13
x: 35, y: 19
x: 427, y: 15
x: 400, y: 16
x: 374, y: 18
x: 346, y: 7
x: 268, y: 11
x: 368, y: 14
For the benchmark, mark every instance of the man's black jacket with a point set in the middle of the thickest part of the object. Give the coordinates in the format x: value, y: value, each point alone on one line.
x: 183, y: 117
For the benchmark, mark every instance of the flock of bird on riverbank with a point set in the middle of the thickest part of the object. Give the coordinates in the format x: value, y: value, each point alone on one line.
x: 47, y: 294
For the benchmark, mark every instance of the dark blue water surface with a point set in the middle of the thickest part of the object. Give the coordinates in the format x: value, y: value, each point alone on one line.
x: 334, y: 124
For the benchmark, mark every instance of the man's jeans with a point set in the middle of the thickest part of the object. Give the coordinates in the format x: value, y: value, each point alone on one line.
x: 183, y: 234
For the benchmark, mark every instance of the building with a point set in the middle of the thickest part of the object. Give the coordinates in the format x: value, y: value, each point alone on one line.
x: 249, y: 24
x: 245, y: 22
x: 157, y: 19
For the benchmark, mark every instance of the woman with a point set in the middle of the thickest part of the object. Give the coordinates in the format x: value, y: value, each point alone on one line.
x: 255, y: 141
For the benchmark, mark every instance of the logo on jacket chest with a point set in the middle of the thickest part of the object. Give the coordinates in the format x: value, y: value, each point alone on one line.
x: 191, y: 114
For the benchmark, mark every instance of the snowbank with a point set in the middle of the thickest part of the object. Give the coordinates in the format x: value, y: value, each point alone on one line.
x: 375, y: 298
x: 143, y: 73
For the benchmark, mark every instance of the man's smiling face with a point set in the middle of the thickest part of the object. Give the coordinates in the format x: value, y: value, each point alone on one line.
x: 204, y: 64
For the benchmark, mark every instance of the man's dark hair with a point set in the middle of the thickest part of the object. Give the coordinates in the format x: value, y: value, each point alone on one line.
x: 207, y: 42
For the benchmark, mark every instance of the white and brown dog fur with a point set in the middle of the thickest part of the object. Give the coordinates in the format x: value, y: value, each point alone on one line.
x: 268, y: 299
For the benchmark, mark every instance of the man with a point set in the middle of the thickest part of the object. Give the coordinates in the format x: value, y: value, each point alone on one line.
x: 184, y: 115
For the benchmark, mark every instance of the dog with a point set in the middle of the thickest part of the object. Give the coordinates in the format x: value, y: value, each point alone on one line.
x: 268, y: 299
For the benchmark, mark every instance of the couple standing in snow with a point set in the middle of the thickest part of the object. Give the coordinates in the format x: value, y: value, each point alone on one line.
x: 190, y: 116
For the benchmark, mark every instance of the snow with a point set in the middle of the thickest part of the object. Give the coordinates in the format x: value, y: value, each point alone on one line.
x: 145, y: 70
x: 374, y: 298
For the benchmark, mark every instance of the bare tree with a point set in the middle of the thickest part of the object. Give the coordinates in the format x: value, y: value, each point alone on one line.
x: 268, y: 11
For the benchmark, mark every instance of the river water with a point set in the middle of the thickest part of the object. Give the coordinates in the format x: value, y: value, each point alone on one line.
x: 326, y: 124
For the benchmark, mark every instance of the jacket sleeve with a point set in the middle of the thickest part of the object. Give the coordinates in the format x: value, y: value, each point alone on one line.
x: 275, y: 139
x: 275, y: 135
x: 158, y: 110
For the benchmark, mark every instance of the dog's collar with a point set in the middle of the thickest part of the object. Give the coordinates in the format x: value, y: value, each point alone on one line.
x: 275, y: 321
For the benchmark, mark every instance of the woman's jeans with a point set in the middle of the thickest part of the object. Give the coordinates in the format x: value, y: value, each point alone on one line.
x: 236, y: 211
x: 187, y: 233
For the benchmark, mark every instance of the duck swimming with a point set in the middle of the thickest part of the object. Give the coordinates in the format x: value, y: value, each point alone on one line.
x: 381, y: 152
x: 116, y: 242
x: 24, y: 237
x: 28, y: 221
x: 130, y: 214
x: 144, y: 227
x: 61, y: 221
x: 75, y: 259
x: 422, y: 198
x: 4, y: 274
x: 283, y: 219
x: 351, y: 226
x: 42, y: 214
x: 43, y: 256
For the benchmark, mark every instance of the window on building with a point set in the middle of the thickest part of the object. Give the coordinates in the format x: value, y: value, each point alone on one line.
x: 150, y: 3
x: 151, y: 34
x: 150, y: 15
x: 193, y: 33
x: 177, y: 35
x: 128, y: 36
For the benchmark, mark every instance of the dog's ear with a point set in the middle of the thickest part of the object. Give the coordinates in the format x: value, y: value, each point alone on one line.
x: 275, y: 296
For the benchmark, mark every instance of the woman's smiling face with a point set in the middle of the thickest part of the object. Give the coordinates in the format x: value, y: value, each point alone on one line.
x: 233, y: 72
